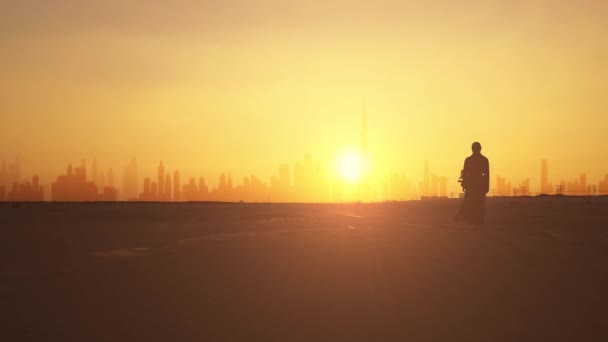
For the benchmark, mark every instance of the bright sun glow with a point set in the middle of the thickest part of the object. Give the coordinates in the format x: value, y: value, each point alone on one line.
x: 350, y: 166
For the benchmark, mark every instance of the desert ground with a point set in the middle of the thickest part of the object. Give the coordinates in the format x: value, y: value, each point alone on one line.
x: 399, y: 271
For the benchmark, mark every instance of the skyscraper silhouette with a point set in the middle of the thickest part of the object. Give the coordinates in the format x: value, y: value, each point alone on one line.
x: 503, y: 188
x: 578, y: 187
x: 95, y: 172
x: 364, y: 187
x: 364, y: 133
x: 147, y: 194
x: 154, y: 191
x: 202, y: 189
x: 190, y: 191
x: 426, y: 185
x: 523, y: 189
x: 167, y: 192
x: 222, y: 184
x: 23, y: 191
x: 73, y: 186
x: 161, y: 180
x: 603, y: 186
x: 10, y: 174
x: 284, y: 182
x: 130, y: 180
x: 545, y: 186
x: 176, y: 187
x: 443, y: 186
x: 102, y: 180
x: 2, y: 171
x: 110, y: 178
x: 434, y: 185
x: 81, y: 172
x: 15, y: 170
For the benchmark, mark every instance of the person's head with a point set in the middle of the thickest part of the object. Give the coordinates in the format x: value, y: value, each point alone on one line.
x: 476, y: 147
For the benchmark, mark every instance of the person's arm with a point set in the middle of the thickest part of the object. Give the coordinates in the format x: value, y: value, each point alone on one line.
x: 487, y: 174
x: 464, y: 174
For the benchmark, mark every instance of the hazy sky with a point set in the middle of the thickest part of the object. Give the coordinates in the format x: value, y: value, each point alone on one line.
x: 241, y: 86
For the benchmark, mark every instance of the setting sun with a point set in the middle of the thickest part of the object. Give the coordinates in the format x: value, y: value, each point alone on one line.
x: 350, y: 166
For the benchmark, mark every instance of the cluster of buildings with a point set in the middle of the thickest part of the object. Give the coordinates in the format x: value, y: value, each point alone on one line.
x: 10, y: 173
x: 307, y: 181
x: 28, y: 191
x: 432, y: 186
x: 310, y: 184
x: 161, y: 190
x: 75, y: 187
x: 12, y: 188
x: 603, y: 186
x: 400, y: 188
x: 576, y: 187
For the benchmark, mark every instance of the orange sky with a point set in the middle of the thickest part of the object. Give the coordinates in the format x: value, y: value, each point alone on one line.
x: 242, y: 86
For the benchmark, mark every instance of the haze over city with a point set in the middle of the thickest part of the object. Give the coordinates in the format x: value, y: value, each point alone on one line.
x: 351, y: 178
x: 242, y: 87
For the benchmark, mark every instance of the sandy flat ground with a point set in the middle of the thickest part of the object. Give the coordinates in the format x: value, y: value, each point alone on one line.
x: 538, y: 271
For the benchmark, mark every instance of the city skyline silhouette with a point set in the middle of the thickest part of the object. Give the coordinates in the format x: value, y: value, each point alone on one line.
x: 307, y: 181
x: 242, y: 96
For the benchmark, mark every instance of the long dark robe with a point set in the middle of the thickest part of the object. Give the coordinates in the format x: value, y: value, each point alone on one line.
x: 476, y: 184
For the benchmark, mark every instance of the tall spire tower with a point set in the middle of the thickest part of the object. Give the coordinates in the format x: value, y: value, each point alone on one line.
x: 161, y: 181
x: 364, y: 133
x: 364, y: 190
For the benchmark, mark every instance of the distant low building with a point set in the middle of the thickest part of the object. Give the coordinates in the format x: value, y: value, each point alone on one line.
x: 110, y: 194
x: 74, y: 187
x: 24, y: 192
x: 503, y: 188
x: 603, y: 186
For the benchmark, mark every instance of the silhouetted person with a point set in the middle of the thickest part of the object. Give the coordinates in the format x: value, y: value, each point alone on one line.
x: 475, y: 181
